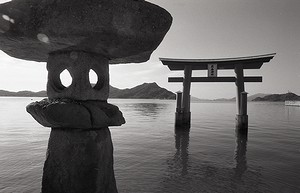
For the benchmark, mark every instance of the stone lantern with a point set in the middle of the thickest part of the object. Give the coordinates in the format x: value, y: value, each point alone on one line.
x: 79, y: 36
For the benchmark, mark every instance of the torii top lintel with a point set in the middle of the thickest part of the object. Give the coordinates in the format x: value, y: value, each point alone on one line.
x: 249, y: 62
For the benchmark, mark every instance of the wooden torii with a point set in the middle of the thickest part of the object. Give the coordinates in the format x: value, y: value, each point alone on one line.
x: 183, y: 114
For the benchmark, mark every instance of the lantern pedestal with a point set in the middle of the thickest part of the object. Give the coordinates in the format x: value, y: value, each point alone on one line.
x: 79, y: 161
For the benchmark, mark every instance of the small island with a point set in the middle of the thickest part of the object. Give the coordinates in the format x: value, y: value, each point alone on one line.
x: 279, y: 97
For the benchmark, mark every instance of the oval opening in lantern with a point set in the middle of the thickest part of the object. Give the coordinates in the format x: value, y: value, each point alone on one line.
x: 66, y: 78
x: 93, y: 77
x: 6, y: 17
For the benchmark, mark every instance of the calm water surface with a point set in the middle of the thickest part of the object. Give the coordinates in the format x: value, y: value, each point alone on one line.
x: 151, y: 157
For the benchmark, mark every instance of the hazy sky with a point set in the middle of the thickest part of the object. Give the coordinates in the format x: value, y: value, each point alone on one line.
x: 202, y: 29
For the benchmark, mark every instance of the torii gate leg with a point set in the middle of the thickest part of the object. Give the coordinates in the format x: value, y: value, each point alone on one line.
x: 186, y: 114
x: 241, y: 99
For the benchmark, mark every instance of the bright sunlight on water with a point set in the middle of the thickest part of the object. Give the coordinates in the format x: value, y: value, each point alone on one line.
x: 151, y: 157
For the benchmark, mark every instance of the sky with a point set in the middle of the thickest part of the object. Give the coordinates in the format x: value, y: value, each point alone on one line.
x: 201, y: 29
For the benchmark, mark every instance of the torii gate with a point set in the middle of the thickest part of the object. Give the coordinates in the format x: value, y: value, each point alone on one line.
x: 183, y: 114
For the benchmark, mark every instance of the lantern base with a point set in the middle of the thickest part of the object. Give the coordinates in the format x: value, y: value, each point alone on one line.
x: 66, y: 113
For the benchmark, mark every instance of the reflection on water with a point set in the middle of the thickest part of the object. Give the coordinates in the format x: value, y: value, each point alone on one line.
x: 193, y: 174
x: 148, y: 109
x: 240, y: 154
x: 181, y: 157
x: 151, y: 157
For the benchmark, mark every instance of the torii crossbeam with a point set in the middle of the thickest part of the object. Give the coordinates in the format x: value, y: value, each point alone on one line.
x: 183, y: 114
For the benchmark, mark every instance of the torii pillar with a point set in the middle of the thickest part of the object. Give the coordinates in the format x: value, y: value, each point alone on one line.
x: 241, y: 98
x: 186, y: 112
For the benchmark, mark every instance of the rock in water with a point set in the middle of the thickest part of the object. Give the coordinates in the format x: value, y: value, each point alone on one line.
x: 121, y: 30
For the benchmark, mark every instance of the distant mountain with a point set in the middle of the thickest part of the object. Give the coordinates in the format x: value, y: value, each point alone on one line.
x: 278, y: 97
x: 195, y: 99
x: 249, y: 98
x: 23, y: 93
x: 224, y: 99
x: 252, y: 97
x: 143, y: 91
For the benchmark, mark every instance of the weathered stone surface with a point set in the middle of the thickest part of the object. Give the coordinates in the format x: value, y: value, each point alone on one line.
x: 121, y: 30
x: 79, y: 65
x: 79, y: 161
x: 75, y: 114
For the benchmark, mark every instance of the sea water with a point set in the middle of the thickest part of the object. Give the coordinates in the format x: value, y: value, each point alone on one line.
x: 150, y: 156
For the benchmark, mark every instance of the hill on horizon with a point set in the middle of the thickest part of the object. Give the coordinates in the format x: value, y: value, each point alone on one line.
x: 278, y: 97
x: 249, y: 98
x: 23, y: 93
x: 143, y: 91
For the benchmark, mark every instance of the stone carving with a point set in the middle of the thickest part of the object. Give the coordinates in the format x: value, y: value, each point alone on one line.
x: 78, y: 64
x: 80, y: 35
x: 123, y: 31
x: 66, y: 113
x: 87, y: 159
